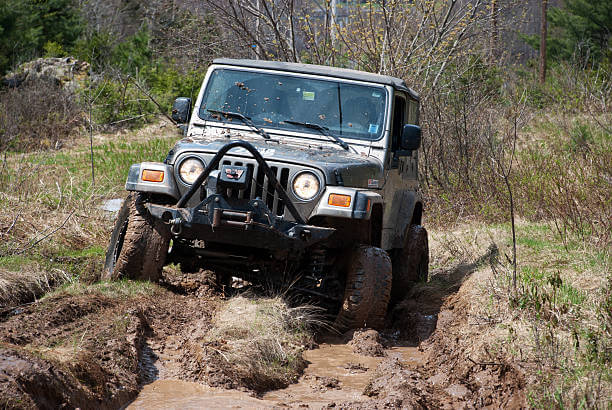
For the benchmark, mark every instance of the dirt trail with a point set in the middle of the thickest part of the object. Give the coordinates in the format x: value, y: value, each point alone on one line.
x: 97, y: 350
x: 424, y: 359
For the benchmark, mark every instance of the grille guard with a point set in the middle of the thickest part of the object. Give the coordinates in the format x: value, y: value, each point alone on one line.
x: 215, y: 219
x: 214, y: 163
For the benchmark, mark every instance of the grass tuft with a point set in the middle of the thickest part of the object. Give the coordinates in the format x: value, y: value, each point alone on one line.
x: 28, y: 283
x: 262, y: 340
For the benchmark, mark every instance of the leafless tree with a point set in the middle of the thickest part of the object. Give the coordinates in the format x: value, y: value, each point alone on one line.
x: 543, y: 34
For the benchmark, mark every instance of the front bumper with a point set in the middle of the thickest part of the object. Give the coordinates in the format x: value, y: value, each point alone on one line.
x: 250, y: 224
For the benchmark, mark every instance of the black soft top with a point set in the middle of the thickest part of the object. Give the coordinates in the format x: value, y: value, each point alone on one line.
x: 320, y: 70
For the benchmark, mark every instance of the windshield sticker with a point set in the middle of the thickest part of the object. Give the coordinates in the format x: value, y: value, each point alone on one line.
x: 308, y: 96
x: 376, y: 94
x: 373, y: 129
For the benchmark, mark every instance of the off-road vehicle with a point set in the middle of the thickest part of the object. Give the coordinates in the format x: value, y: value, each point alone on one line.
x: 297, y: 176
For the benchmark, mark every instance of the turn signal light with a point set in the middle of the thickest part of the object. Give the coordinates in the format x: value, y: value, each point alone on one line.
x: 339, y: 200
x: 152, y: 175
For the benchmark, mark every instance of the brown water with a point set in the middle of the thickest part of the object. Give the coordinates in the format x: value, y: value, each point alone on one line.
x: 177, y: 394
x: 334, y: 374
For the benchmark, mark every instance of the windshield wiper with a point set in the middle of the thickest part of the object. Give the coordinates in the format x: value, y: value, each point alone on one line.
x: 323, y: 130
x: 244, y: 118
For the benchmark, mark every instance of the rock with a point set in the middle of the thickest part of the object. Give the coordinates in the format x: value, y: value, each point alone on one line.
x: 68, y: 72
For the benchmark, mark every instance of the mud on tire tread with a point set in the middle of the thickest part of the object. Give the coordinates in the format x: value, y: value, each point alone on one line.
x: 383, y: 279
x: 139, y: 243
x: 411, y: 263
x: 367, y: 290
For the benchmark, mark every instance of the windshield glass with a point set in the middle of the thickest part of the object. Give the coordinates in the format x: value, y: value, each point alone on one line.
x: 346, y: 110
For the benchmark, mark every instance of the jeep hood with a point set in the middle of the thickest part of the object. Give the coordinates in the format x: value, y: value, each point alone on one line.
x: 338, y: 165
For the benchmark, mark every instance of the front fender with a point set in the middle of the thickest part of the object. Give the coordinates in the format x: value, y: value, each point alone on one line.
x: 360, y: 207
x: 166, y: 186
x: 397, y: 220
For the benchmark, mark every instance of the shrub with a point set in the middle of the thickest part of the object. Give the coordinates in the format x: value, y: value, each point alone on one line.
x: 566, y: 179
x: 39, y: 114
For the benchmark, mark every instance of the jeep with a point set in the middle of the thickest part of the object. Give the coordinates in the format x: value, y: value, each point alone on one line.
x: 296, y: 176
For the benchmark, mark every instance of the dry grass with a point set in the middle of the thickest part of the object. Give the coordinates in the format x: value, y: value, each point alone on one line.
x: 555, y: 325
x: 28, y: 283
x: 50, y: 216
x: 262, y: 340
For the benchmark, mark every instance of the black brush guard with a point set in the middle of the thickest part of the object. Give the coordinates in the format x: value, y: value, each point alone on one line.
x: 250, y: 224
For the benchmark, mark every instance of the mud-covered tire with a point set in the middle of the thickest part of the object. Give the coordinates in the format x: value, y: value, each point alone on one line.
x: 367, y: 289
x: 139, y: 243
x: 411, y: 263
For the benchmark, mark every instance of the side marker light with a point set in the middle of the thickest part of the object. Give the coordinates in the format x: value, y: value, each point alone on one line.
x: 151, y: 175
x: 339, y: 200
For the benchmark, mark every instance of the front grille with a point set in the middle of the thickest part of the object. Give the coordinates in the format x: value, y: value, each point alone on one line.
x: 260, y: 186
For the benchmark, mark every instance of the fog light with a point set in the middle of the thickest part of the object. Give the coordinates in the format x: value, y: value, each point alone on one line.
x: 339, y: 200
x: 152, y: 175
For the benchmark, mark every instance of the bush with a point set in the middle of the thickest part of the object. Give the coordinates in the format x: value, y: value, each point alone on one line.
x: 39, y: 114
x: 566, y: 179
x: 121, y: 103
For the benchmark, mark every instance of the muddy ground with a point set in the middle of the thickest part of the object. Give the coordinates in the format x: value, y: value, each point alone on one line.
x: 99, y: 349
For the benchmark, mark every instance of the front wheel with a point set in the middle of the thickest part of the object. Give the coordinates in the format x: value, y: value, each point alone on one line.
x: 139, y: 243
x: 367, y: 291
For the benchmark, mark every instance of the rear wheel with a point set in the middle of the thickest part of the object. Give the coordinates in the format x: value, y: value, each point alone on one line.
x: 139, y: 243
x: 411, y: 263
x: 367, y: 291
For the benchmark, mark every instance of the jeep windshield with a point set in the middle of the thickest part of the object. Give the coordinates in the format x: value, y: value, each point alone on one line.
x: 282, y: 102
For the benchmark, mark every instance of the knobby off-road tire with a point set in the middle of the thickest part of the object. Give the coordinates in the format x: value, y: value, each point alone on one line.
x: 138, y: 245
x: 367, y: 290
x: 411, y: 263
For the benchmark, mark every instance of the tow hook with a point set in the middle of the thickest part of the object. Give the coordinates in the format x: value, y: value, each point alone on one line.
x: 176, y: 226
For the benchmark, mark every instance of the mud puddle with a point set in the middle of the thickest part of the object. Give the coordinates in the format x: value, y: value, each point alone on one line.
x: 334, y: 374
x: 177, y: 394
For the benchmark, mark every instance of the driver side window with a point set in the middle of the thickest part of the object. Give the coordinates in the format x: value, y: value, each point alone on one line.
x: 399, y: 115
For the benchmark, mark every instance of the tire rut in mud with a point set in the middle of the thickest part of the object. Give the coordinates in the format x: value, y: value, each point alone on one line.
x: 80, y: 351
x: 93, y: 349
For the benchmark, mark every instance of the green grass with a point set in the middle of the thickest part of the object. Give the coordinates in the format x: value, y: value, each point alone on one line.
x: 112, y: 161
x: 14, y: 263
x: 574, y: 343
x: 92, y: 251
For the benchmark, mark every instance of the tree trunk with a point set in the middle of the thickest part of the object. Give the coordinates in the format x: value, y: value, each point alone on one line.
x: 257, y: 29
x: 494, y: 33
x: 333, y: 22
x: 543, y: 34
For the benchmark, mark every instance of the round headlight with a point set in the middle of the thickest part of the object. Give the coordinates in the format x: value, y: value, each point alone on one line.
x: 190, y: 170
x: 306, y: 186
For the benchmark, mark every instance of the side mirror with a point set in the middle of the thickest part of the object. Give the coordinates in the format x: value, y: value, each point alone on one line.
x: 181, y: 109
x: 411, y: 137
